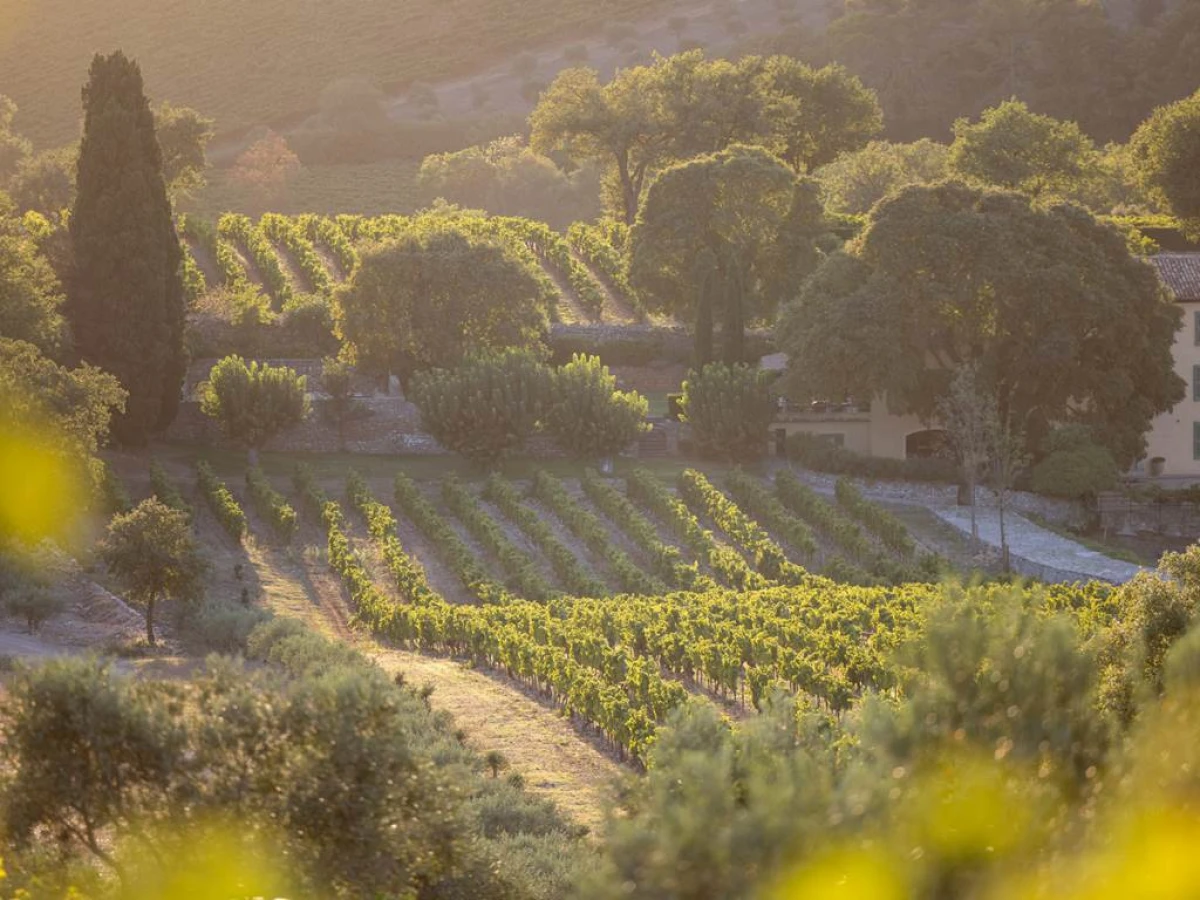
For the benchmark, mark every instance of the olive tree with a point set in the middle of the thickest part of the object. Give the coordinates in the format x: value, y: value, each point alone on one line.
x: 151, y: 550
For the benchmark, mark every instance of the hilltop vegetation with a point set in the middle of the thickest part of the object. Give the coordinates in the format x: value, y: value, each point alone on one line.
x: 249, y: 63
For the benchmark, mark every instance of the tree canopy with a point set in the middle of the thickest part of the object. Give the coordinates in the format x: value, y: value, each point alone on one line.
x: 255, y: 402
x: 430, y: 297
x: 126, y: 304
x: 935, y: 61
x: 1060, y: 319
x: 151, y: 550
x: 1013, y: 148
x: 183, y: 135
x: 855, y: 182
x: 648, y: 117
x: 1166, y: 154
x: 723, y: 239
x: 30, y: 294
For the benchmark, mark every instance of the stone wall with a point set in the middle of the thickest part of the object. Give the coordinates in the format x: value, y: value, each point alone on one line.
x: 1126, y: 515
x: 390, y: 425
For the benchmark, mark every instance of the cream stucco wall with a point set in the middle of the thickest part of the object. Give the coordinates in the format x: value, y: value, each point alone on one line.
x: 877, y: 433
x: 1171, y: 434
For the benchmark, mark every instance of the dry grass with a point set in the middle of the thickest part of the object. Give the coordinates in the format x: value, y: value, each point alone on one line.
x: 246, y: 63
x: 367, y: 189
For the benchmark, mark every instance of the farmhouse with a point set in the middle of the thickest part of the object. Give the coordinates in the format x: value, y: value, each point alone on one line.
x: 1173, y: 443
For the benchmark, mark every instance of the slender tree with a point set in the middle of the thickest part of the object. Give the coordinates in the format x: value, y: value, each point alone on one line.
x: 126, y: 305
x: 152, y: 551
x: 963, y: 414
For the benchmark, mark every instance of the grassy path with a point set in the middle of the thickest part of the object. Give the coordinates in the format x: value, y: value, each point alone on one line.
x: 494, y: 712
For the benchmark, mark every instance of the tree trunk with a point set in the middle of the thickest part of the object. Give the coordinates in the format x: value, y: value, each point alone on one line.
x: 1004, y: 557
x: 628, y: 194
x: 150, y: 622
x: 971, y: 497
x: 704, y: 328
x: 734, y: 328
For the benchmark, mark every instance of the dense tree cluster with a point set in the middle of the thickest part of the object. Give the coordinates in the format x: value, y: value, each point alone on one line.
x: 935, y: 61
x: 721, y: 240
x: 430, y: 297
x: 648, y: 117
x: 948, y: 275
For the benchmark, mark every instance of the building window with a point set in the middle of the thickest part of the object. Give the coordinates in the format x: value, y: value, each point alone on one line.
x: 1196, y: 440
x: 1196, y: 323
x: 1196, y: 383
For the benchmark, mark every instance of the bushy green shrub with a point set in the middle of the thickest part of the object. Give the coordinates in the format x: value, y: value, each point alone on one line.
x: 33, y: 602
x: 1074, y: 466
x: 485, y: 408
x: 588, y: 416
x: 729, y: 410
x: 223, y: 504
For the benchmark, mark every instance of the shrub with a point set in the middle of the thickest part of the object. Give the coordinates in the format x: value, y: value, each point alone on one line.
x: 254, y: 402
x: 307, y: 323
x: 487, y: 407
x: 818, y: 454
x: 729, y: 410
x: 271, y: 504
x: 1075, y: 466
x: 224, y: 627
x: 32, y: 602
x: 588, y: 416
x: 221, y: 501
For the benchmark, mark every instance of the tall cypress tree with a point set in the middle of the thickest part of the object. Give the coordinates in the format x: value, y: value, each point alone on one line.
x: 126, y: 305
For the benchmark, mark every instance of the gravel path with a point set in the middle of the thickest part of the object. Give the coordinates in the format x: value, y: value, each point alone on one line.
x: 1038, y: 552
x: 1035, y: 551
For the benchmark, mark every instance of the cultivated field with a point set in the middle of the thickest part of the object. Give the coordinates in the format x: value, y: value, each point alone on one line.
x: 580, y: 278
x: 613, y: 599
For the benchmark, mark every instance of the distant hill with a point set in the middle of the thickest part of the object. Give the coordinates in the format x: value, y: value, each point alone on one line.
x: 246, y: 62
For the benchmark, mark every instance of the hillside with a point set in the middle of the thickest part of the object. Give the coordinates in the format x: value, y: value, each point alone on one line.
x: 246, y: 63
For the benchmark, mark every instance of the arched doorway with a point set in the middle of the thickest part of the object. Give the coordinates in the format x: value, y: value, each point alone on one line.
x: 926, y: 444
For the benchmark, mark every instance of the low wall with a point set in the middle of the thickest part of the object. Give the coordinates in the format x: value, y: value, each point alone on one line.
x: 1120, y: 514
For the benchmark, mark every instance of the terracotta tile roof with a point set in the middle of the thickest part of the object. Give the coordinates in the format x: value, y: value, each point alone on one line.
x: 1181, y: 273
